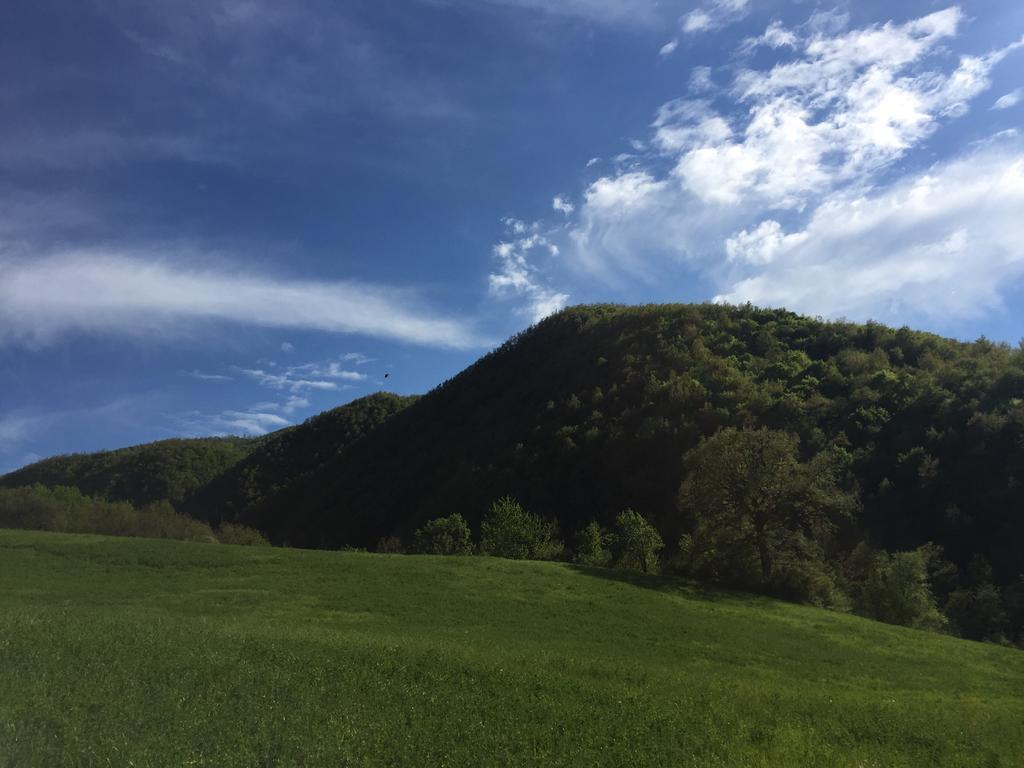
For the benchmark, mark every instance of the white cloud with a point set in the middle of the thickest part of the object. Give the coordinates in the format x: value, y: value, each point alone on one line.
x: 935, y: 245
x: 321, y: 376
x: 562, y: 205
x: 626, y: 192
x: 206, y: 376
x: 682, y: 124
x: 248, y: 422
x: 287, y: 346
x: 715, y: 14
x: 775, y: 36
x: 668, y: 48
x: 43, y: 297
x: 700, y: 80
x: 287, y: 380
x: 844, y: 107
x: 357, y: 358
x: 1011, y: 99
x: 326, y: 370
x: 16, y: 427
x: 697, y: 21
x: 760, y: 245
x: 518, y: 276
x: 294, y: 403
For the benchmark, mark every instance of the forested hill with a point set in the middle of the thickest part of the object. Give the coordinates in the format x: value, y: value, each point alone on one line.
x: 212, y: 477
x: 290, y: 457
x: 599, y: 408
x: 170, y: 470
x: 596, y: 409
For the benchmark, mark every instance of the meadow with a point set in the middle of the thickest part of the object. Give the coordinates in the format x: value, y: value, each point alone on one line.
x: 135, y: 652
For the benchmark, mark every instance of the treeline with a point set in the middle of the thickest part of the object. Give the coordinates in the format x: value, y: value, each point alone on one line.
x: 919, y: 588
x: 68, y: 510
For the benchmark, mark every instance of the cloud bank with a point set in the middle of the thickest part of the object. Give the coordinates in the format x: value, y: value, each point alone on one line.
x: 790, y: 183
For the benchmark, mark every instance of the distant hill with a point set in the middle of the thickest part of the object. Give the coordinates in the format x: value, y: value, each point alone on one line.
x: 169, y: 470
x: 216, y: 477
x: 290, y: 457
x: 594, y: 410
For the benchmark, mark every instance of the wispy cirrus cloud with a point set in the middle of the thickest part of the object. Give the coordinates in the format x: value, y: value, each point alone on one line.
x: 252, y: 423
x: 357, y: 358
x: 44, y: 297
x: 632, y: 12
x: 200, y: 376
x: 715, y: 14
x: 1008, y: 100
x: 27, y: 428
x: 517, y: 273
x: 290, y: 60
x: 324, y: 376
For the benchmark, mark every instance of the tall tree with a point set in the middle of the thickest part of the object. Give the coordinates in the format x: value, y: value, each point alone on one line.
x: 752, y: 503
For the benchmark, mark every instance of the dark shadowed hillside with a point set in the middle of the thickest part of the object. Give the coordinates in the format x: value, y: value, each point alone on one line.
x: 291, y: 457
x: 594, y: 409
x: 169, y: 470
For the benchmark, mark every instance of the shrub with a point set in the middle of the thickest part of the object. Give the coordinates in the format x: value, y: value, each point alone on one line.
x: 390, y: 545
x: 592, y: 545
x: 230, y: 533
x: 67, y: 510
x: 977, y: 613
x: 638, y: 542
x: 510, y: 531
x: 445, y: 536
x: 897, y: 591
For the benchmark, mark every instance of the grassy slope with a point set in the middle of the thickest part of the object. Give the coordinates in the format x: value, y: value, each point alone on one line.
x: 129, y: 651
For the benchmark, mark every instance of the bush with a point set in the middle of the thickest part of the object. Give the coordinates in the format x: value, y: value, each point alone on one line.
x: 592, y: 546
x: 897, y: 591
x: 510, y: 531
x: 230, y: 533
x: 390, y: 545
x: 67, y: 510
x: 977, y: 613
x: 638, y: 542
x: 445, y: 536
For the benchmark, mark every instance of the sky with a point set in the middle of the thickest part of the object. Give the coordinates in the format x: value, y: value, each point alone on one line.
x: 225, y: 216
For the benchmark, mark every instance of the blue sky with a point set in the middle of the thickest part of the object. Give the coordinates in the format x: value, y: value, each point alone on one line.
x: 224, y: 216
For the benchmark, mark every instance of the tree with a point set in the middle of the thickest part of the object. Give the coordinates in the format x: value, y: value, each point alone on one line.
x: 638, y: 542
x: 592, y: 545
x: 445, y: 536
x: 977, y: 613
x: 897, y: 591
x: 755, y: 509
x: 510, y: 531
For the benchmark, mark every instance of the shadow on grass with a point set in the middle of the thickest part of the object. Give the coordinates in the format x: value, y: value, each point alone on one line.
x: 677, y: 585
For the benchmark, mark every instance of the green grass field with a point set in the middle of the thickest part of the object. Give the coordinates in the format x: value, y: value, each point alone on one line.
x: 130, y: 652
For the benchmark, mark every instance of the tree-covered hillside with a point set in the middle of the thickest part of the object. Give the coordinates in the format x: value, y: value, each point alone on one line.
x: 217, y: 477
x: 290, y: 456
x: 168, y: 470
x: 595, y: 409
